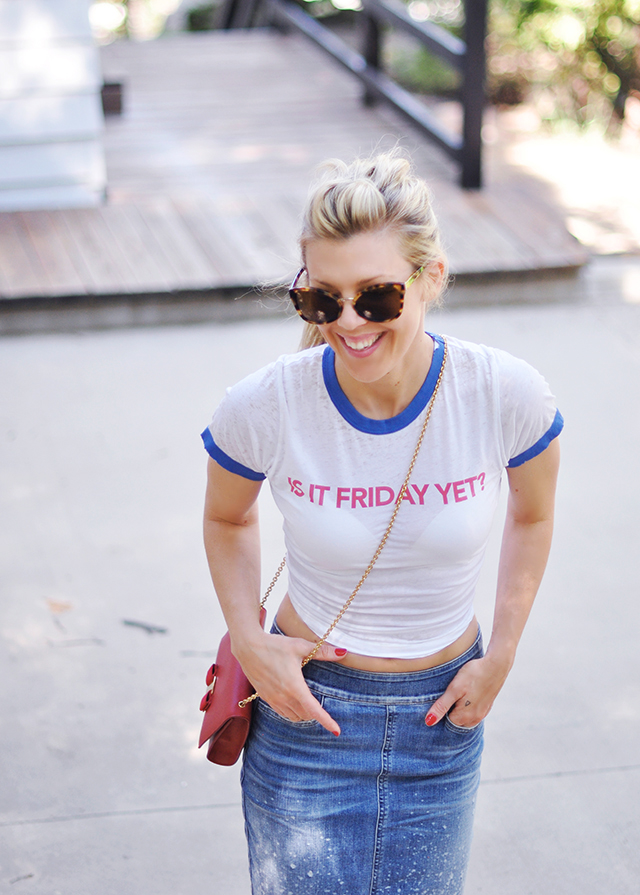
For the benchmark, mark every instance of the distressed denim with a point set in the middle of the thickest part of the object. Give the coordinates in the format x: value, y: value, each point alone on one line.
x: 386, y: 807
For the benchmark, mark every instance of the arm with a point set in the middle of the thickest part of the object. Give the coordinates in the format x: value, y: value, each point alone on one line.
x: 232, y: 544
x: 525, y: 549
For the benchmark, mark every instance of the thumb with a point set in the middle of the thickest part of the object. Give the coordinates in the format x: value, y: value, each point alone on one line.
x: 327, y: 652
x: 441, y: 706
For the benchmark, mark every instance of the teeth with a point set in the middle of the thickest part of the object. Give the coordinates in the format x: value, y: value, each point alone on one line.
x: 361, y: 344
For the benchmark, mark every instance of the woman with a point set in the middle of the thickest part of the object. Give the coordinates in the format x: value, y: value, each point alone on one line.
x: 386, y: 804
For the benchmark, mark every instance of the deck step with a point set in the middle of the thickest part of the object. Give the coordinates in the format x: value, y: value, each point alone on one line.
x: 209, y: 165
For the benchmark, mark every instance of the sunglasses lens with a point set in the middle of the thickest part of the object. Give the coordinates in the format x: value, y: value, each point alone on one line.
x: 378, y: 303
x: 315, y: 306
x: 381, y: 303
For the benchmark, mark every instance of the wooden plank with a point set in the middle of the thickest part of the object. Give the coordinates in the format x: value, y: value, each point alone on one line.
x: 103, y: 263
x: 22, y: 271
x: 152, y: 269
x: 59, y: 269
x: 476, y: 242
x: 266, y: 63
x: 243, y: 224
x: 230, y: 257
x: 279, y: 216
x: 542, y: 229
x: 191, y: 267
x: 62, y: 235
x: 5, y: 289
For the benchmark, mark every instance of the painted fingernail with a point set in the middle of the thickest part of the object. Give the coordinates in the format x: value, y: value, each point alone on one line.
x: 336, y: 733
x: 430, y: 720
x: 340, y: 651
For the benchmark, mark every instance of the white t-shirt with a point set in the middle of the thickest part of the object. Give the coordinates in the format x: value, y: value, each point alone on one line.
x: 334, y: 475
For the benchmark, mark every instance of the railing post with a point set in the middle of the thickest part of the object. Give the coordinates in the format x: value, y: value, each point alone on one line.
x: 466, y: 56
x: 473, y: 92
x: 372, y: 37
x: 239, y: 14
x: 226, y: 17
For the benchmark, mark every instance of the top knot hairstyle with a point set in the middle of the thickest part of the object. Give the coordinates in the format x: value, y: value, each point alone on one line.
x: 372, y: 194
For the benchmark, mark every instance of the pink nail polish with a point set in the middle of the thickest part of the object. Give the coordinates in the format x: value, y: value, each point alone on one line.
x: 340, y: 651
x: 430, y: 720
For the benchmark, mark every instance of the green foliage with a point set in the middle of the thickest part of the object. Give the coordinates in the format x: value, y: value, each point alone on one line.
x: 202, y: 18
x: 420, y: 71
x: 410, y: 64
x: 577, y: 60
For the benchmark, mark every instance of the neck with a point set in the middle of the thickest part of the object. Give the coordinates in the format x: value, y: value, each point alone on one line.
x: 390, y: 395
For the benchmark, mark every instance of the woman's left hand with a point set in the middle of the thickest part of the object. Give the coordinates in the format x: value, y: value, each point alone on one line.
x: 470, y: 695
x: 525, y: 548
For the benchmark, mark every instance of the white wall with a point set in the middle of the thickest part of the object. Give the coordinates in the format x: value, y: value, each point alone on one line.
x: 51, y: 120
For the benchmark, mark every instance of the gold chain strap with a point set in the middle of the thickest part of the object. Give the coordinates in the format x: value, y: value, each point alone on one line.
x: 385, y: 536
x: 273, y: 581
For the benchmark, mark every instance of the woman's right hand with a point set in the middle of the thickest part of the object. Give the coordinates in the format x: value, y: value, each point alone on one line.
x: 273, y: 664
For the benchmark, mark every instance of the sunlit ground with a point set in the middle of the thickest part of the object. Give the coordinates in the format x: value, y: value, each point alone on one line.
x: 595, y: 177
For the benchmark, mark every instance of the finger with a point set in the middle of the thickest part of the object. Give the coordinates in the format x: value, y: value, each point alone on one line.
x: 465, y: 713
x: 442, y: 705
x: 329, y: 653
x: 311, y: 710
x: 324, y: 653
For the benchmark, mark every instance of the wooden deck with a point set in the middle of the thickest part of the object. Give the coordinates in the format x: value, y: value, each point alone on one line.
x: 208, y: 169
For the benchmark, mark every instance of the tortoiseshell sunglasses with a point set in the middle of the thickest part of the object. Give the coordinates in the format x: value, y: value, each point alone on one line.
x: 379, y: 303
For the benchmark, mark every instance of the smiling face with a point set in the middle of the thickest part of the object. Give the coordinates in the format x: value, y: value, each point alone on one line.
x: 387, y: 361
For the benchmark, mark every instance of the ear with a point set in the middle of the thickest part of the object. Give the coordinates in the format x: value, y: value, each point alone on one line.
x: 434, y: 281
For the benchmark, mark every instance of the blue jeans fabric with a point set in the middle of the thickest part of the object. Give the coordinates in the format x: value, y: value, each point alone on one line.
x: 386, y: 807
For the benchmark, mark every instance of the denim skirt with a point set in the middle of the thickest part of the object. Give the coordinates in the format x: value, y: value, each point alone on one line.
x: 386, y: 807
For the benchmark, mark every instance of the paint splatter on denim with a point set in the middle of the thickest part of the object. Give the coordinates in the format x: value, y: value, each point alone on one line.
x: 384, y: 809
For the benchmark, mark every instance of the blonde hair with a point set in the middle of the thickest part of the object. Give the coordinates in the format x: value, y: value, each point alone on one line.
x: 371, y: 194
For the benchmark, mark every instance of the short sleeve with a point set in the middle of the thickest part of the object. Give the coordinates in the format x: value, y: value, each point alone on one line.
x: 243, y: 432
x: 529, y: 415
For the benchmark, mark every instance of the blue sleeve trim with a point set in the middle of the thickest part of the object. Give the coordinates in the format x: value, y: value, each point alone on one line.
x: 541, y: 445
x: 228, y: 462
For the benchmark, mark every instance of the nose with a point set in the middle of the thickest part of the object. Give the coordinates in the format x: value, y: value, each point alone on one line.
x: 349, y: 319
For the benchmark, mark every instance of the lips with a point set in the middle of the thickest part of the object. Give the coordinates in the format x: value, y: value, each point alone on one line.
x: 363, y: 346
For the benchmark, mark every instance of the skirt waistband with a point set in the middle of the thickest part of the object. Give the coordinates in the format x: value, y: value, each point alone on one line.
x: 331, y: 676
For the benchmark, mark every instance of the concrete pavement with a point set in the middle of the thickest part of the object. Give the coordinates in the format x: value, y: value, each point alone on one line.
x: 102, y: 474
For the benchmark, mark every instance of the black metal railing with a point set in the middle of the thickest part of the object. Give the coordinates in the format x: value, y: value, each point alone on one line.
x: 466, y: 56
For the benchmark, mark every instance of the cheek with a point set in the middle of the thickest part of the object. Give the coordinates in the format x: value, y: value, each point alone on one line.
x: 412, y: 318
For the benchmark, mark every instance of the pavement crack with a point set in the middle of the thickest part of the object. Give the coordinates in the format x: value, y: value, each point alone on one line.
x: 145, y: 626
x: 131, y: 812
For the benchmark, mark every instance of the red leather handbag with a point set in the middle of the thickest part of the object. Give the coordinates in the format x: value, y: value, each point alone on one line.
x: 226, y: 723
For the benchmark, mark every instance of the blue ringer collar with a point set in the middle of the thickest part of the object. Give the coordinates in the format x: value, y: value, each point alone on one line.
x: 382, y: 427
